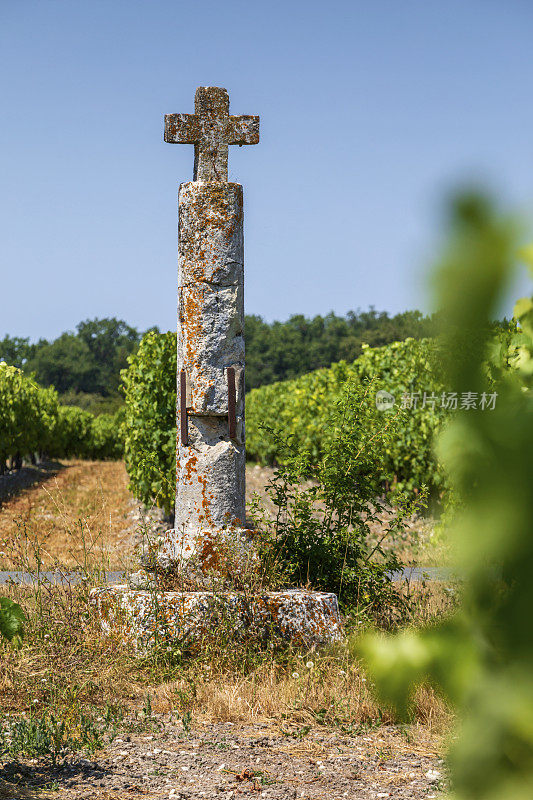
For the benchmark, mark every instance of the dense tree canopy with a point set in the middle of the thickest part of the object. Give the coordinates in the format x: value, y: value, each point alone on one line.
x: 15, y: 351
x: 84, y: 366
x: 283, y: 350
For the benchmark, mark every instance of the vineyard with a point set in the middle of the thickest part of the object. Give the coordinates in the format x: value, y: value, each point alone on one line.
x: 34, y: 424
x: 356, y: 447
x: 266, y: 401
x: 33, y: 421
x: 297, y: 410
x: 294, y: 410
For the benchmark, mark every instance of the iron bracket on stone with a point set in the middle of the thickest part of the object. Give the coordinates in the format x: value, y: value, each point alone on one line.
x: 232, y: 401
x: 184, y: 428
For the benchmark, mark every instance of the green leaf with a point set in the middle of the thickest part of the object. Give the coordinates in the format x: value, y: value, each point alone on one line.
x: 523, y: 306
x: 12, y: 620
x: 526, y: 255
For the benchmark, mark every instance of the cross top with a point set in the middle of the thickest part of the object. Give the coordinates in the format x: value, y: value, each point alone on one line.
x: 211, y: 129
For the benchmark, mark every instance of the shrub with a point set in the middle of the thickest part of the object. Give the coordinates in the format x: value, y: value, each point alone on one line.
x: 150, y: 419
x: 325, y: 506
x: 300, y: 408
x: 28, y: 415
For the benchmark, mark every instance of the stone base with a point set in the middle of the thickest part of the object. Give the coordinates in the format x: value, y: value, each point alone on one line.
x: 205, y: 548
x: 143, y: 618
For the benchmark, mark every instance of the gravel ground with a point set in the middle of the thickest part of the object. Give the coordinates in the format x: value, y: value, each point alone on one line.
x: 231, y: 761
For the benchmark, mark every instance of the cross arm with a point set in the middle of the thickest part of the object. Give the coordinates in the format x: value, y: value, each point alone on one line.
x: 182, y: 128
x: 243, y: 129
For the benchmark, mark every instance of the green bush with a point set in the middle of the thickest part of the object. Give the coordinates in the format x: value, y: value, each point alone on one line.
x: 74, y: 433
x: 28, y: 415
x: 325, y: 508
x: 107, y: 441
x: 33, y: 421
x: 150, y: 419
x: 12, y: 620
x: 300, y: 408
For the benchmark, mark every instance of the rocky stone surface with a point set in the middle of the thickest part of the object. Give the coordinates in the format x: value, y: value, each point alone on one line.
x: 143, y: 617
x: 225, y: 762
x: 209, y: 527
x: 211, y: 129
x: 210, y: 479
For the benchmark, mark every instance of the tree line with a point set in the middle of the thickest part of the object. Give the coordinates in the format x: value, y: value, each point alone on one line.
x: 84, y: 365
x: 279, y: 351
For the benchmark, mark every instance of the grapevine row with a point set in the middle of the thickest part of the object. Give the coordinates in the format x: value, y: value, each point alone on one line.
x: 296, y: 409
x: 34, y: 423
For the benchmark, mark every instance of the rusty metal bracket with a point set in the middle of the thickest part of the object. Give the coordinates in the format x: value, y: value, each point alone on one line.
x: 184, y: 428
x: 232, y: 420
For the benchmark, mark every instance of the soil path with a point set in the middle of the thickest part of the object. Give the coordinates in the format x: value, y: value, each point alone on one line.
x: 79, y: 512
x: 231, y: 761
x: 84, y: 511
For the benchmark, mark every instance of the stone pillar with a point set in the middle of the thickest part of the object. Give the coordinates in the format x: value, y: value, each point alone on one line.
x: 210, y: 478
x: 210, y: 449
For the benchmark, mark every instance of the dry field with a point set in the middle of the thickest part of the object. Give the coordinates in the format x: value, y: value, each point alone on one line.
x: 80, y: 511
x: 226, y: 723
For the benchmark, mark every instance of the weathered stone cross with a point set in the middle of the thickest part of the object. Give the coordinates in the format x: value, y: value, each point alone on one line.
x: 209, y: 537
x: 210, y: 479
x: 211, y: 129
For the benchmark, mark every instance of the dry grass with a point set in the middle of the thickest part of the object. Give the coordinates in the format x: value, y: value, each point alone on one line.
x: 67, y: 665
x: 333, y: 691
x: 77, y: 517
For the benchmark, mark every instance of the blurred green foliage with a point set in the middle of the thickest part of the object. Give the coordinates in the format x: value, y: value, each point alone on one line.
x: 482, y: 657
x: 28, y: 415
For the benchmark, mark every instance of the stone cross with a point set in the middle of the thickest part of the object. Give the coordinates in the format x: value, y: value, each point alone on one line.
x: 210, y: 443
x: 211, y: 129
x: 211, y: 459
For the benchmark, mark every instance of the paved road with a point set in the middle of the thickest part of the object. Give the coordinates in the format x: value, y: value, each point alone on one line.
x: 27, y: 578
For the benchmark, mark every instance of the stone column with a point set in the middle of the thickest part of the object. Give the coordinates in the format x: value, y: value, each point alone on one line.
x: 210, y: 449
x: 210, y: 478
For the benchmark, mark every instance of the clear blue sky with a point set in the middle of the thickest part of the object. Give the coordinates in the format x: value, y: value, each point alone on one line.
x: 370, y: 112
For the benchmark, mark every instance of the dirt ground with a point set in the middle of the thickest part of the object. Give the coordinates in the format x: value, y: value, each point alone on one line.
x: 83, y: 509
x: 77, y: 511
x: 81, y: 513
x: 240, y: 761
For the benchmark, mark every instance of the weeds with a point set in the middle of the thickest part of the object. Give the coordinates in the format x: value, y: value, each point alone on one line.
x: 186, y: 721
x: 70, y: 687
x: 44, y: 734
